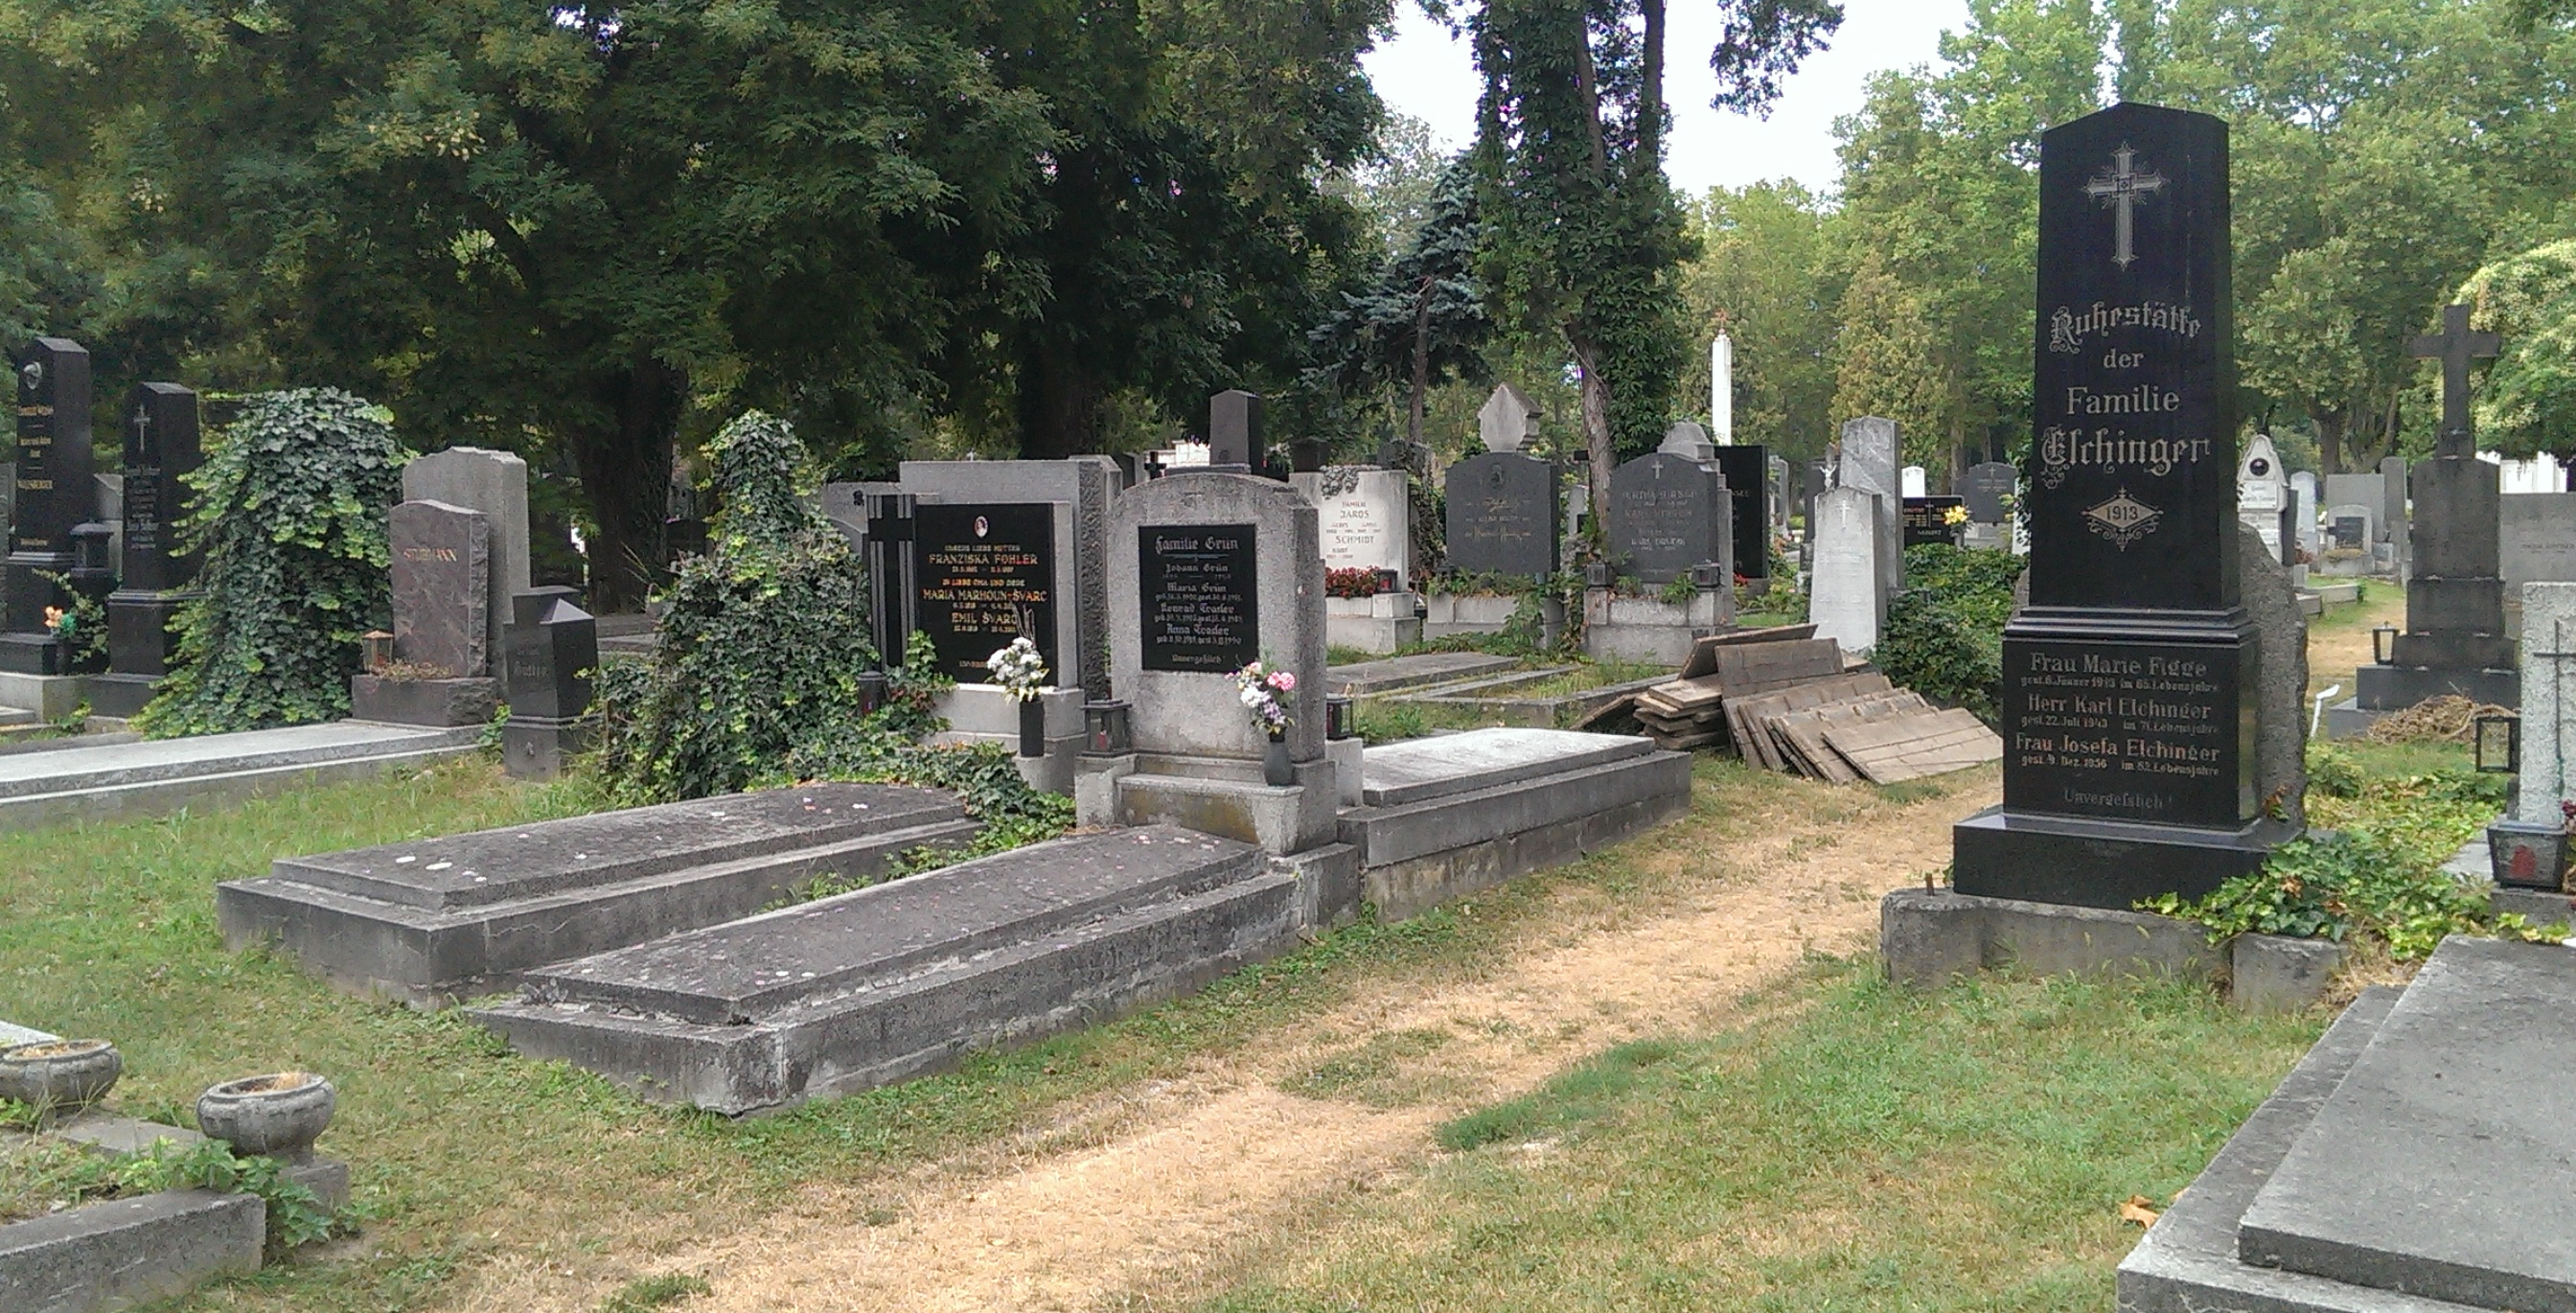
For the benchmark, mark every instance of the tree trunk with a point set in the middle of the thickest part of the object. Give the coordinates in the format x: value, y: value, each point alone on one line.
x: 626, y: 476
x: 1059, y: 402
x: 1596, y: 429
x: 1421, y: 367
x: 2329, y: 439
x: 1650, y: 128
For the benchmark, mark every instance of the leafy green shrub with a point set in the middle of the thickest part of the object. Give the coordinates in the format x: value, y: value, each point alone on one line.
x: 2332, y: 771
x: 1944, y: 633
x: 290, y: 513
x: 296, y: 1215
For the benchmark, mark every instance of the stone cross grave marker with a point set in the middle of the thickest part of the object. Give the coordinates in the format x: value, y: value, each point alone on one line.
x: 1668, y: 515
x: 442, y: 563
x: 2129, y: 768
x: 2457, y: 347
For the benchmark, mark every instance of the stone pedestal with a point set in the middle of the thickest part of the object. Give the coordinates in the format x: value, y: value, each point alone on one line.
x: 1379, y: 625
x: 539, y: 747
x: 2455, y: 639
x: 440, y: 703
x: 1650, y: 629
x: 983, y: 713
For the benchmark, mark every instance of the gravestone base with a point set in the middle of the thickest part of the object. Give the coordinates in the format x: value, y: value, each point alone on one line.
x: 983, y: 713
x: 120, y: 696
x: 1221, y: 796
x: 539, y: 747
x: 2397, y: 687
x: 1650, y: 629
x: 438, y: 703
x: 1386, y: 623
x: 34, y: 654
x: 51, y: 697
x: 2087, y: 862
x: 141, y: 638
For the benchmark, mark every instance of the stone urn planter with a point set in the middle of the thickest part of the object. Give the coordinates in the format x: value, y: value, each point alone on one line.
x: 59, y: 1077
x: 277, y: 1116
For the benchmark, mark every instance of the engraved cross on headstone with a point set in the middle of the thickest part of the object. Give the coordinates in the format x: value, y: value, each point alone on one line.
x: 2122, y: 186
x: 2455, y: 346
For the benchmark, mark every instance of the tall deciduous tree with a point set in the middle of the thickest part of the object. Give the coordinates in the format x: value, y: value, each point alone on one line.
x: 1586, y: 234
x: 1765, y: 274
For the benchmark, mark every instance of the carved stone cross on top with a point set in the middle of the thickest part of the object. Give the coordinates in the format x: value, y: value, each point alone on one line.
x: 2455, y: 346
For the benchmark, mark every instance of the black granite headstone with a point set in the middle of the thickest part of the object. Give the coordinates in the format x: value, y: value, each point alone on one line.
x: 548, y: 652
x: 1986, y: 488
x: 983, y: 575
x: 55, y: 492
x: 1748, y: 477
x: 1668, y: 515
x: 1503, y: 514
x: 161, y: 448
x: 1199, y: 587
x: 1234, y: 434
x: 1927, y: 520
x: 2128, y: 716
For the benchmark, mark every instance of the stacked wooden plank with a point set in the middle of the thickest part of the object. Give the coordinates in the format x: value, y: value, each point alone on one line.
x: 1790, y: 702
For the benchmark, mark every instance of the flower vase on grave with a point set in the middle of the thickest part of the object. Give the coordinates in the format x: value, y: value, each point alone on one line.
x: 1033, y: 728
x: 1276, y: 769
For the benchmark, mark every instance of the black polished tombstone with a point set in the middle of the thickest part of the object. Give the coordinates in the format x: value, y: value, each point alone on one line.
x: 1928, y: 520
x: 55, y: 493
x: 1234, y: 434
x: 1986, y: 488
x: 2128, y: 712
x: 547, y: 656
x: 1669, y: 515
x: 2455, y: 640
x: 1503, y: 514
x: 161, y: 449
x: 1748, y: 476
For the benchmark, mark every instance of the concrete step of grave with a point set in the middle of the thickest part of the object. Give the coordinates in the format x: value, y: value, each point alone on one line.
x: 83, y: 780
x: 2438, y: 1167
x: 433, y: 920
x: 896, y: 980
x: 10, y: 716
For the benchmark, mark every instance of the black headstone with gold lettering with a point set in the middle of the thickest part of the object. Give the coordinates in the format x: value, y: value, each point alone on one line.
x: 2129, y: 681
x: 153, y: 573
x: 55, y: 493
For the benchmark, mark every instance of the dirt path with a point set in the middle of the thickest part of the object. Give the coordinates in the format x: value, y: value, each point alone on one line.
x: 1129, y: 1192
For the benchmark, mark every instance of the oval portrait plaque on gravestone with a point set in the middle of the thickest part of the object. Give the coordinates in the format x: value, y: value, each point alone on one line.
x: 1197, y: 590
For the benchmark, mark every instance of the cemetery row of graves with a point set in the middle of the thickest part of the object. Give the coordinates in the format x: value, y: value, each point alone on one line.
x: 906, y: 791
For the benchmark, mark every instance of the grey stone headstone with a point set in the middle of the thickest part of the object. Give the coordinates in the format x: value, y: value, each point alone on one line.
x: 1366, y: 517
x: 2393, y: 490
x: 2538, y: 540
x: 1234, y: 432
x: 2349, y: 527
x: 1507, y: 420
x: 1209, y: 532
x: 2281, y: 680
x: 1668, y: 515
x: 1868, y: 462
x: 2308, y: 487
x: 442, y: 566
x: 1503, y: 514
x: 2368, y: 490
x: 1688, y: 441
x: 1844, y: 595
x: 1986, y: 487
x: 1083, y: 486
x: 496, y: 484
x: 1780, y: 493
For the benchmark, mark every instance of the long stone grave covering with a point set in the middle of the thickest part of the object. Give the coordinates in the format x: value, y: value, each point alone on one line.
x: 901, y: 978
x: 435, y: 919
x: 107, y: 777
x: 2417, y: 1161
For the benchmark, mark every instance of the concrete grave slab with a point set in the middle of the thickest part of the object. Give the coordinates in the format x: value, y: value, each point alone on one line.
x: 1370, y: 678
x: 2441, y: 1165
x: 1419, y: 770
x: 429, y: 920
x: 105, y: 781
x: 896, y: 980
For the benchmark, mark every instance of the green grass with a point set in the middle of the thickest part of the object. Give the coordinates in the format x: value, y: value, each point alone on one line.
x: 1857, y: 1148
x: 644, y: 1294
x: 464, y: 1154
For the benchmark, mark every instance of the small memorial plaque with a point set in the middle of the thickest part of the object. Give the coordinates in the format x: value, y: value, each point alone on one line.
x: 1928, y: 520
x: 1198, y: 590
x: 984, y: 575
x: 2351, y: 532
x: 2139, y: 731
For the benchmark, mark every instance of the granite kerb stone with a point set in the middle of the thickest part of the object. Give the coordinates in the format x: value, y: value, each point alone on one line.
x: 129, y: 1251
x: 1928, y: 937
x: 109, y: 766
x: 1414, y: 885
x: 1387, y: 835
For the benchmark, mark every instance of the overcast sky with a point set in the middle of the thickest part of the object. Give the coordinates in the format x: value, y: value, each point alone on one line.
x: 1427, y: 75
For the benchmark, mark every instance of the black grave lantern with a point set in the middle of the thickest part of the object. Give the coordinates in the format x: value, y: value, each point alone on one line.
x: 872, y: 691
x: 1337, y: 717
x: 1710, y: 575
x: 2383, y: 644
x: 2499, y: 743
x: 93, y: 558
x: 1105, y: 729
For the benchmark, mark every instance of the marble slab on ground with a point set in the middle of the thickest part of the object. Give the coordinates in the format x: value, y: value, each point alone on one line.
x: 2444, y: 1164
x: 91, y: 766
x: 1419, y: 770
x: 1370, y: 678
x: 526, y: 861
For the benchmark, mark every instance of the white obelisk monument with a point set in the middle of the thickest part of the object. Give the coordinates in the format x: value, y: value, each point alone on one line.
x: 1721, y: 390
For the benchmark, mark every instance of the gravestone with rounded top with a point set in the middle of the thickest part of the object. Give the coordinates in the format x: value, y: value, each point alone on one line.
x: 1669, y: 515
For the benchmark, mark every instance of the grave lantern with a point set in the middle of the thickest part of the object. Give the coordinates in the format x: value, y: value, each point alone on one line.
x: 1105, y: 729
x: 872, y: 691
x: 2383, y: 644
x: 2499, y: 743
x: 1337, y: 717
x: 376, y: 651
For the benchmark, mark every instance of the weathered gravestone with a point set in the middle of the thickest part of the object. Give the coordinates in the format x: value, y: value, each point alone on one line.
x: 1867, y: 461
x: 552, y: 648
x: 494, y: 483
x: 2537, y: 540
x: 1503, y: 505
x: 2396, y: 494
x: 1670, y: 515
x: 2309, y: 488
x: 1780, y: 493
x: 1987, y: 489
x: 54, y: 494
x: 2130, y: 680
x: 1844, y: 595
x: 2262, y: 491
x: 2368, y: 490
x: 442, y: 569
x: 1915, y: 481
x: 2455, y: 639
x: 2346, y: 540
x: 1366, y: 518
x: 161, y: 449
x: 1235, y: 441
x: 1688, y: 441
